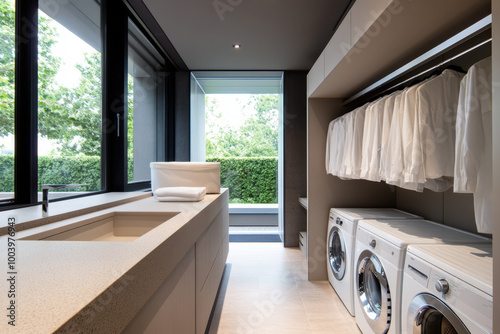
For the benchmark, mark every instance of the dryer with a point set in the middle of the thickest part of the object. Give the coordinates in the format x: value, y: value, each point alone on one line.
x: 448, y: 289
x: 380, y: 255
x: 340, y: 246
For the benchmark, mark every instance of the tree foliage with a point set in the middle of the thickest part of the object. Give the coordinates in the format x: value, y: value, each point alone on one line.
x: 71, y: 116
x: 7, y: 40
x: 256, y: 137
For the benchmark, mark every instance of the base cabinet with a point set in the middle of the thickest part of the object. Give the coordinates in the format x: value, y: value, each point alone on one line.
x: 184, y: 301
x: 211, y: 254
x: 171, y: 309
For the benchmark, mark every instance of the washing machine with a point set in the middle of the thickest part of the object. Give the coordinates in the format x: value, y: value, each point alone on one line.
x: 448, y: 289
x: 341, y: 242
x: 380, y: 254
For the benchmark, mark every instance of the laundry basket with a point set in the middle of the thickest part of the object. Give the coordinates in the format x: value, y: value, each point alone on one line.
x: 186, y: 174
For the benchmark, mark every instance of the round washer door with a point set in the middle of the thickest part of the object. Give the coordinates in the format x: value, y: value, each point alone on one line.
x: 428, y: 314
x: 336, y: 253
x: 373, y: 292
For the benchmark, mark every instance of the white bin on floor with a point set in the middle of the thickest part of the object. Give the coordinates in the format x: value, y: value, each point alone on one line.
x: 186, y: 174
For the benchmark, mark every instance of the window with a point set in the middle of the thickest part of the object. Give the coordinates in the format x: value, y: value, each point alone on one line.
x: 145, y: 103
x: 65, y: 106
x: 7, y: 46
x: 242, y: 134
x: 238, y: 114
x: 69, y: 96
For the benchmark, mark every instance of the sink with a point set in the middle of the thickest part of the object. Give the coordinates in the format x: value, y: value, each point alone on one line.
x: 114, y: 226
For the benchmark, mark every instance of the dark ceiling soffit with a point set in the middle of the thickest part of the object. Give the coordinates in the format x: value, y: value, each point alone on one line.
x: 143, y: 13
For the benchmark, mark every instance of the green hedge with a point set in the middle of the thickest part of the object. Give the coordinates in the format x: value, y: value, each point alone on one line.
x: 250, y: 180
x: 70, y: 170
x: 6, y: 173
x: 57, y: 170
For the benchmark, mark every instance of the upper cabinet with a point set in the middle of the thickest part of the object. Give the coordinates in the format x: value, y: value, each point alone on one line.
x: 339, y: 45
x: 316, y: 75
x: 377, y: 37
x: 363, y: 15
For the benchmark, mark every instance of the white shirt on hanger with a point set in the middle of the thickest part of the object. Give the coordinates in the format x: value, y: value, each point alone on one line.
x: 354, y: 157
x: 338, y: 146
x: 437, y: 100
x: 394, y: 162
x: 388, y: 111
x: 413, y: 177
x: 372, y: 138
x: 473, y: 160
x: 330, y: 144
x: 349, y: 134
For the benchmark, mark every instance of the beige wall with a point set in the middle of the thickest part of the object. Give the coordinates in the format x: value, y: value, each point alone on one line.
x: 327, y: 191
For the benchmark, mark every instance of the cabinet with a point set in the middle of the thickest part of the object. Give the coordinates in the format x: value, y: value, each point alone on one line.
x: 183, y: 302
x: 171, y: 309
x: 363, y: 15
x: 339, y: 45
x: 316, y: 74
x: 211, y: 253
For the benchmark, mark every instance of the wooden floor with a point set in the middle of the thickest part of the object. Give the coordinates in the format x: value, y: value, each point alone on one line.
x: 265, y: 290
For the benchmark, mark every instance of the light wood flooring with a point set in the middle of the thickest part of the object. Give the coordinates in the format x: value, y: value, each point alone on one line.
x: 265, y: 290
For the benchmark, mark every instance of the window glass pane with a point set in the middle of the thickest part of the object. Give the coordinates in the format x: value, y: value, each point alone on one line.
x: 7, y: 33
x: 242, y: 134
x: 69, y: 95
x: 146, y: 89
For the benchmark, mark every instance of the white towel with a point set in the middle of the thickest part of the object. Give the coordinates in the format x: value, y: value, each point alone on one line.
x: 180, y: 194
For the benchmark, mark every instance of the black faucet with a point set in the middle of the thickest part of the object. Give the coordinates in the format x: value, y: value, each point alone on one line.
x: 45, y: 192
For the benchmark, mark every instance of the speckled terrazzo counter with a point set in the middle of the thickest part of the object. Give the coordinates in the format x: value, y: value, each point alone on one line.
x: 32, y: 216
x: 98, y: 286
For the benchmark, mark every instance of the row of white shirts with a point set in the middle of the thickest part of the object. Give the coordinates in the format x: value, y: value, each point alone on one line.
x: 409, y: 138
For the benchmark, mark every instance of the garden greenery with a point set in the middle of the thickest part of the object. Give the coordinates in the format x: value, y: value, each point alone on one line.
x: 250, y: 180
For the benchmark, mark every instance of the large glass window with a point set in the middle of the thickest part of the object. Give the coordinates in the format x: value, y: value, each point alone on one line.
x: 242, y: 134
x: 145, y: 105
x: 69, y: 95
x: 62, y: 116
x: 7, y: 57
x: 235, y: 120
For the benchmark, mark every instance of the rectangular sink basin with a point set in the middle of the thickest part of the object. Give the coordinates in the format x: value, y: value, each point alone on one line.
x: 114, y: 226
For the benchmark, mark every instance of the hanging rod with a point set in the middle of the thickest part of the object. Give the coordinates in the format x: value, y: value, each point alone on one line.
x: 462, y: 36
x: 439, y: 65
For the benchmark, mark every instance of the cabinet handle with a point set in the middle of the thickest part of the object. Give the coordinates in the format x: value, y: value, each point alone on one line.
x: 117, y: 124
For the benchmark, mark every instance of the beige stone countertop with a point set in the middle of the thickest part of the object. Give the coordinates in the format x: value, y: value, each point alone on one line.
x: 97, y: 286
x: 32, y: 216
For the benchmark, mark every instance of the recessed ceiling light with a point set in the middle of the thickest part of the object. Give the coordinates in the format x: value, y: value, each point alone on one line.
x: 236, y: 46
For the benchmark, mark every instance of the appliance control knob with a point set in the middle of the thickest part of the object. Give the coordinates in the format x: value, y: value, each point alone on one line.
x: 341, y: 222
x: 337, y: 220
x: 442, y: 286
x: 373, y: 243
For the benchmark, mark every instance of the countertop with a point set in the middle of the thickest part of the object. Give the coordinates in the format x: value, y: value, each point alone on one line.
x: 98, y: 286
x: 32, y: 216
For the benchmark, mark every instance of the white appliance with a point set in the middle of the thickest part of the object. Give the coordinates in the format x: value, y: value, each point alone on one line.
x: 380, y: 255
x: 448, y: 289
x: 341, y: 246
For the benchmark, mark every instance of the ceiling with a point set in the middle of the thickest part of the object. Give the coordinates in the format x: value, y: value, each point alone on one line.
x: 273, y: 34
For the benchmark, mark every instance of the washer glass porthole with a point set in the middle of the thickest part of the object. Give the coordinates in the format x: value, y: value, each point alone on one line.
x: 427, y: 314
x: 373, y: 292
x: 336, y: 253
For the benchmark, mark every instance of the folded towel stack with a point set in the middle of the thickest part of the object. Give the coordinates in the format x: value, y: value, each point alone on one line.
x: 180, y: 194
